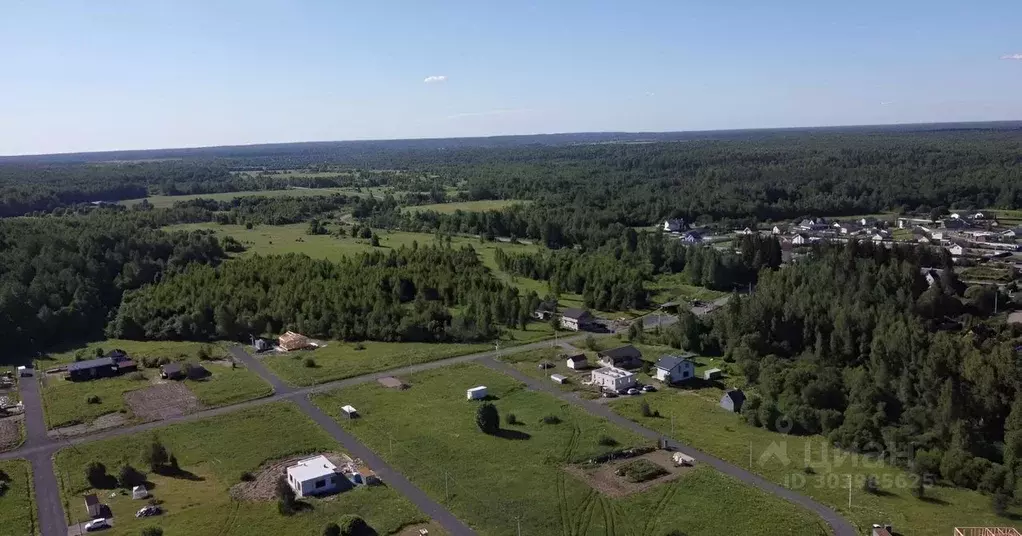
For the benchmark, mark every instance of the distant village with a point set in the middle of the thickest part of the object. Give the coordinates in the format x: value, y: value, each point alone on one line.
x: 972, y: 239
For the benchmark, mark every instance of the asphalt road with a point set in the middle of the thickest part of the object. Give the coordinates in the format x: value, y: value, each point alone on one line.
x: 838, y: 525
x: 49, y: 510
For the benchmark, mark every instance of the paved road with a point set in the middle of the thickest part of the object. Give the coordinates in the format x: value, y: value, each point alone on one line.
x: 838, y: 525
x: 259, y: 368
x: 49, y: 510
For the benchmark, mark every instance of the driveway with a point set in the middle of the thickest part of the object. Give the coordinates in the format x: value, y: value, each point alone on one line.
x: 838, y: 525
x: 49, y: 510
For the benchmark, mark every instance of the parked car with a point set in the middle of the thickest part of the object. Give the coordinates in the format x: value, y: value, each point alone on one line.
x: 633, y: 391
x: 649, y: 388
x: 609, y: 394
x: 97, y: 524
x: 147, y: 511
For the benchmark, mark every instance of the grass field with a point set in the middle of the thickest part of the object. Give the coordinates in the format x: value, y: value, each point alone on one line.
x: 700, y: 423
x: 165, y: 201
x: 467, y: 206
x: 494, y: 481
x: 670, y: 287
x: 64, y: 401
x: 17, y: 508
x: 217, y: 451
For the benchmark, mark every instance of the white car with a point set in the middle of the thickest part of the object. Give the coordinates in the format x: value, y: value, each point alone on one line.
x: 97, y: 524
x: 633, y: 391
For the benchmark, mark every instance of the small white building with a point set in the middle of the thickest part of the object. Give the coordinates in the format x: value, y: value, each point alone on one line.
x: 576, y: 319
x: 613, y: 379
x: 800, y: 240
x: 349, y: 411
x: 313, y: 476
x: 670, y: 369
x: 93, y: 506
x: 476, y: 393
x: 577, y: 362
x: 956, y: 250
x: 712, y: 374
x: 558, y: 378
x: 674, y: 226
x: 682, y: 460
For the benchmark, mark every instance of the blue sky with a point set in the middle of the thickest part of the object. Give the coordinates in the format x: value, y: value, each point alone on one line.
x: 103, y: 74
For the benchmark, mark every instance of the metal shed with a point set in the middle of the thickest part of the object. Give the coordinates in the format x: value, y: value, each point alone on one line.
x: 476, y: 393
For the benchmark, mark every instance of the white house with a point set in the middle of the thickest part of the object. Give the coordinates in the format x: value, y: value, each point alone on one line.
x: 476, y: 393
x: 956, y: 250
x: 576, y: 319
x: 670, y: 369
x: 313, y: 476
x: 139, y: 492
x: 674, y: 226
x: 613, y: 379
x: 559, y: 378
x: 577, y: 362
x: 779, y: 230
x: 800, y: 240
x: 712, y: 374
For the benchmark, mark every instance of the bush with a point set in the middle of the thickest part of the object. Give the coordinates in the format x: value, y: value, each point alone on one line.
x: 155, y: 455
x: 130, y: 477
x: 918, y: 490
x: 136, y: 376
x: 92, y: 399
x: 641, y: 470
x: 870, y: 485
x: 310, y: 362
x: 999, y: 504
x: 352, y: 525
x: 247, y: 477
x: 152, y: 531
x: 607, y: 441
x: 511, y: 419
x: 644, y: 409
x: 360, y: 346
x: 487, y: 418
x: 590, y: 343
x: 808, y: 470
x: 96, y: 476
x: 287, y: 503
x: 205, y: 352
x: 332, y: 529
x: 551, y: 419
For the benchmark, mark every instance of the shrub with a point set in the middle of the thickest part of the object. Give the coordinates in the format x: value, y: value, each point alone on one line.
x: 999, y: 503
x: 641, y: 470
x: 808, y: 470
x: 656, y: 413
x: 352, y: 525
x: 332, y: 529
x: 152, y: 531
x: 92, y: 399
x: 360, y: 346
x: 136, y: 376
x: 607, y: 441
x: 590, y: 343
x: 487, y: 418
x: 310, y: 362
x: 644, y: 409
x: 96, y: 476
x: 870, y: 485
x: 205, y: 352
x: 130, y: 477
x: 918, y: 490
x: 551, y: 419
x: 247, y: 477
x: 511, y: 419
x: 248, y: 225
x: 155, y: 455
x: 286, y: 501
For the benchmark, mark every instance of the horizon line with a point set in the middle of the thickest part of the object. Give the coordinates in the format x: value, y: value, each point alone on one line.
x: 535, y: 134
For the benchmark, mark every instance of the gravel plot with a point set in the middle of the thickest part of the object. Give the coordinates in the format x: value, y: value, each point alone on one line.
x: 163, y: 401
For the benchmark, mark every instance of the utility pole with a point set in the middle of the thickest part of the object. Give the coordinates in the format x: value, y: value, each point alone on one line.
x: 997, y: 292
x: 447, y: 489
x: 750, y: 454
x: 850, y: 491
x: 672, y: 425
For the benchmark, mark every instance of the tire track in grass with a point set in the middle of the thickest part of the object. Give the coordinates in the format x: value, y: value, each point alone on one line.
x: 670, y: 489
x: 608, y: 517
x: 564, y: 509
x: 585, y: 509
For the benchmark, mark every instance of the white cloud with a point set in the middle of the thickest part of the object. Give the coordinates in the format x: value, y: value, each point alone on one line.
x: 650, y: 94
x: 1012, y: 57
x: 435, y: 79
x: 885, y: 103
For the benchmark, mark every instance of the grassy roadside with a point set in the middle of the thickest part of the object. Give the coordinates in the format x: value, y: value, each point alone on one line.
x: 17, y: 504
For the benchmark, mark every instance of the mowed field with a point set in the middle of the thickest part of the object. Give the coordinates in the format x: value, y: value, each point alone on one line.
x: 65, y: 402
x: 495, y: 482
x: 467, y: 206
x: 165, y: 201
x: 17, y: 508
x: 214, y: 453
x: 701, y: 423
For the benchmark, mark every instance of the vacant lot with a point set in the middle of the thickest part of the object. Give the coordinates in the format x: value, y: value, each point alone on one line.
x: 214, y: 453
x: 164, y: 201
x: 344, y: 360
x: 493, y: 481
x: 699, y: 422
x: 468, y: 206
x: 65, y: 401
x: 17, y: 509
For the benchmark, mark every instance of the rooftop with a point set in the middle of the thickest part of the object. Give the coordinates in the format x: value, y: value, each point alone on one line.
x: 576, y: 313
x: 628, y: 351
x: 312, y: 468
x: 669, y: 362
x: 613, y: 372
x: 92, y: 363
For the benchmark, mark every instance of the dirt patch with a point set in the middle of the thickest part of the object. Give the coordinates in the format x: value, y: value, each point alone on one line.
x: 265, y: 479
x: 220, y: 362
x: 10, y: 432
x: 602, y: 478
x: 110, y: 420
x: 162, y: 401
x: 413, y: 530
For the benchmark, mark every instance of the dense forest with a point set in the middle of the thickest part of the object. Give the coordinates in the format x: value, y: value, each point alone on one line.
x: 61, y: 278
x: 411, y: 294
x: 856, y: 345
